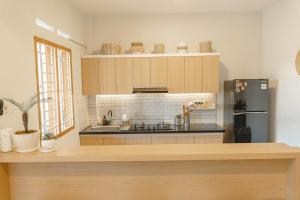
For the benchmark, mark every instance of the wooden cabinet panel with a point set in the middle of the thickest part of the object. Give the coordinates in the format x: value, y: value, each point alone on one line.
x: 89, y: 75
x: 107, y: 76
x: 193, y: 74
x: 124, y: 75
x: 209, y: 138
x: 141, y: 72
x: 176, y: 74
x: 164, y: 139
x: 159, y: 72
x: 211, y: 70
x: 185, y: 140
x: 114, y: 140
x: 138, y: 139
x: 91, y: 140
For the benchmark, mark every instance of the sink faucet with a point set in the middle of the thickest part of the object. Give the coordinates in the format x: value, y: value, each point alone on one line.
x: 109, y: 116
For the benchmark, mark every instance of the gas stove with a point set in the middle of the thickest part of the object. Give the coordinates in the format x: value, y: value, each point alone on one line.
x: 142, y: 127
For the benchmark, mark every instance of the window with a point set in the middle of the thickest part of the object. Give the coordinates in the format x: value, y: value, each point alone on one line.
x: 54, y: 80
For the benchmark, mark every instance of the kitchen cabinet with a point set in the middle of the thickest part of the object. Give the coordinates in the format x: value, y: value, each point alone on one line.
x: 124, y: 75
x: 176, y: 74
x: 164, y: 139
x: 91, y: 140
x: 138, y: 139
x: 107, y: 75
x: 89, y: 75
x: 180, y: 73
x: 185, y: 140
x: 159, y: 72
x: 141, y: 72
x: 114, y: 140
x: 211, y: 70
x: 193, y: 74
x: 133, y: 139
x: 209, y: 138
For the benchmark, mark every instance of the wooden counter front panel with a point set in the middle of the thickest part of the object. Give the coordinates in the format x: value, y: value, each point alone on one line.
x: 178, y: 180
x: 4, y: 182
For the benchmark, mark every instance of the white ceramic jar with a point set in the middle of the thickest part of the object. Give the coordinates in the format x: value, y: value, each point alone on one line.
x: 6, y: 140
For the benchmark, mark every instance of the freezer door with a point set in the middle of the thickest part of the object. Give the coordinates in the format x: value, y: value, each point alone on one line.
x: 258, y: 122
x: 253, y: 92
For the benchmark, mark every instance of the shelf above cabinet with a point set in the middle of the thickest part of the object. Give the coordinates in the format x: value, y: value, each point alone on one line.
x: 151, y: 55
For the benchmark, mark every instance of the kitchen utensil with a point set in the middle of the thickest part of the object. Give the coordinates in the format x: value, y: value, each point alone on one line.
x: 178, y: 120
x: 206, y: 47
x: 6, y: 140
x: 187, y: 120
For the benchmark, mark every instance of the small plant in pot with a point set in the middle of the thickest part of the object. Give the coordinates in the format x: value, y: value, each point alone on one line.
x: 48, y: 142
x: 26, y: 140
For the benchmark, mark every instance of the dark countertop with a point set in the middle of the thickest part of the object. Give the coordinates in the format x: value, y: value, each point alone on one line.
x: 193, y: 128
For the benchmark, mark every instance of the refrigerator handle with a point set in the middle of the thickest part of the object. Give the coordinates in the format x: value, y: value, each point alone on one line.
x: 257, y: 112
x: 241, y: 113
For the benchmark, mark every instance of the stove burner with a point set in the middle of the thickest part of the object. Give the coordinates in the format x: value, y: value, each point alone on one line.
x: 152, y: 127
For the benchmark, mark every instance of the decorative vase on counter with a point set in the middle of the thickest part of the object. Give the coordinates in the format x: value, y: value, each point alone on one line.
x: 25, y: 143
x: 6, y: 140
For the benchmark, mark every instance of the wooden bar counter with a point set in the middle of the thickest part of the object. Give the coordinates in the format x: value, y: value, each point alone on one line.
x: 154, y: 172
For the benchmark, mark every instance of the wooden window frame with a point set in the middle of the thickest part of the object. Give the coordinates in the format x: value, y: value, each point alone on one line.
x: 56, y: 46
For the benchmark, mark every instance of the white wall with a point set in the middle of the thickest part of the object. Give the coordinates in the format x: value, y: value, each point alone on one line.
x: 236, y: 36
x: 17, y: 67
x: 281, y: 41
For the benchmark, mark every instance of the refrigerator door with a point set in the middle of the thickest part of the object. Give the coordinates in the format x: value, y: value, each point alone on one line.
x: 252, y: 92
x: 258, y: 122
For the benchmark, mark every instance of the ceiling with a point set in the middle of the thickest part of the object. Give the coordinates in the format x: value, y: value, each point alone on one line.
x: 100, y: 7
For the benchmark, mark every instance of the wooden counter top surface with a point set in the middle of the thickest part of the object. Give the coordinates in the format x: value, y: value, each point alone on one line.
x: 157, y: 153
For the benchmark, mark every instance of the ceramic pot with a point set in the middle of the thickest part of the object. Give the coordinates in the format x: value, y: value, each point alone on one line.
x: 25, y: 143
x: 48, y: 144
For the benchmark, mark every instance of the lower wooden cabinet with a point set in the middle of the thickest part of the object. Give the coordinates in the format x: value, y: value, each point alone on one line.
x: 131, y: 139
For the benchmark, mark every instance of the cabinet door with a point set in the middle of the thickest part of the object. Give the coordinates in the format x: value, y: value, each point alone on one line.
x: 209, y: 138
x: 176, y: 74
x: 107, y: 75
x: 91, y: 140
x: 124, y: 75
x: 193, y: 74
x: 89, y: 76
x: 113, y: 140
x: 159, y: 72
x: 211, y: 72
x: 163, y: 139
x: 141, y: 72
x: 185, y: 140
x: 138, y: 139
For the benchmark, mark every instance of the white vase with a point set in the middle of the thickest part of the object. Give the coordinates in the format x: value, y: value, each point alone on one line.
x: 25, y: 143
x: 6, y: 140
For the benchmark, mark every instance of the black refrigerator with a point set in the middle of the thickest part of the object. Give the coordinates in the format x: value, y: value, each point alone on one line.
x: 246, y: 110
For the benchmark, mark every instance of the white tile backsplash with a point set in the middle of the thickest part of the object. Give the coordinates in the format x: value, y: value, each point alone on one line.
x: 149, y: 108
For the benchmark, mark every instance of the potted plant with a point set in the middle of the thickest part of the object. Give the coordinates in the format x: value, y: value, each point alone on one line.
x: 48, y: 142
x: 26, y: 140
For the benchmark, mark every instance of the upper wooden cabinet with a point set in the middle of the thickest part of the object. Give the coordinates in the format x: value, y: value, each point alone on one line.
x: 141, y: 72
x: 159, y: 72
x: 185, y: 73
x: 107, y: 76
x: 89, y: 76
x: 124, y: 75
x: 211, y: 77
x: 176, y: 74
x: 193, y: 74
